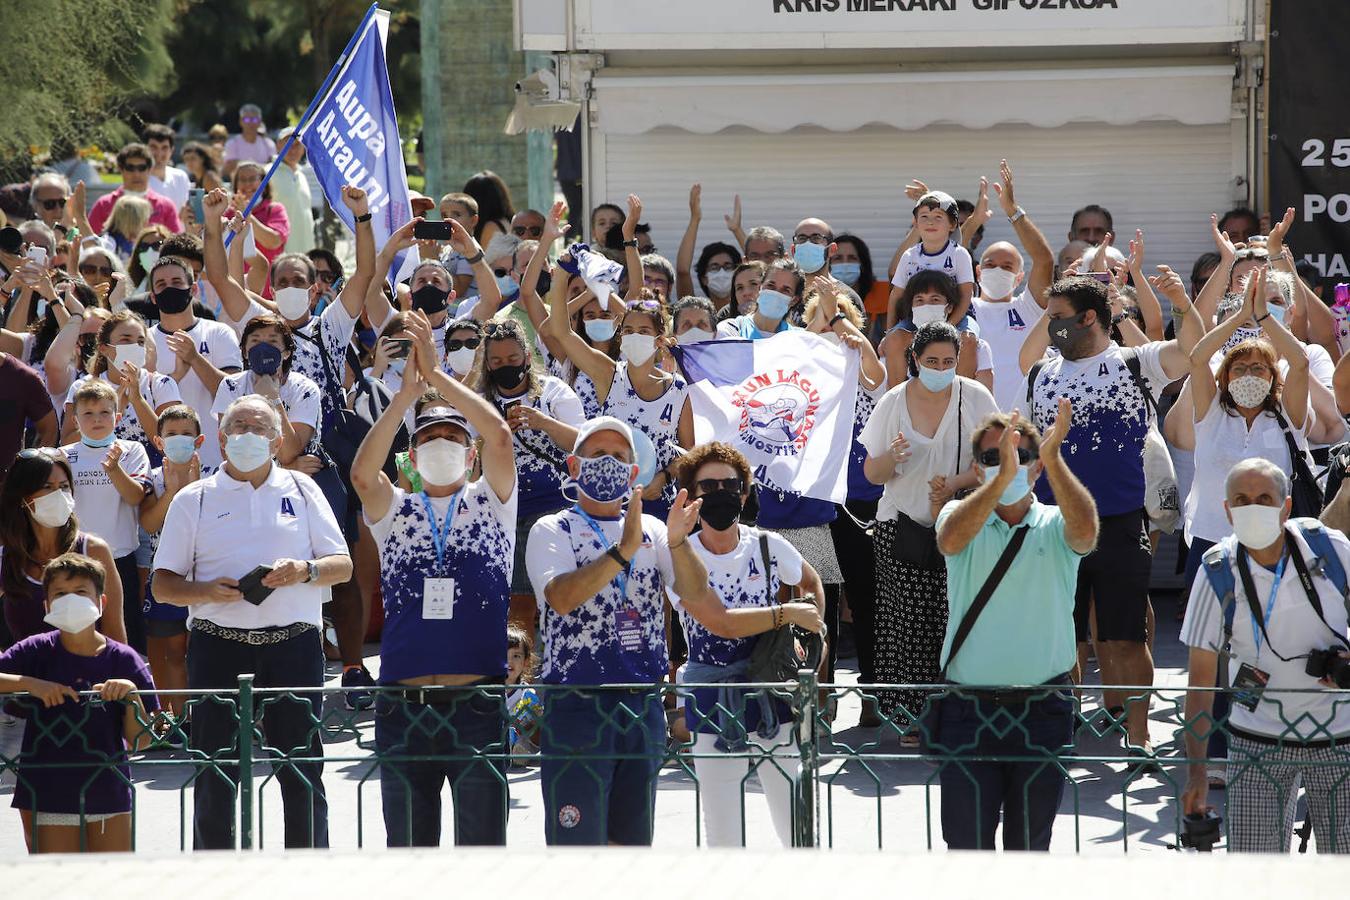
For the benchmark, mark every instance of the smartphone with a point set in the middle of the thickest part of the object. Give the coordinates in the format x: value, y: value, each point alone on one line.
x: 338, y: 285
x: 432, y: 231
x: 1103, y: 277
x: 399, y: 348
x: 38, y: 255
x: 195, y: 198
x: 251, y: 585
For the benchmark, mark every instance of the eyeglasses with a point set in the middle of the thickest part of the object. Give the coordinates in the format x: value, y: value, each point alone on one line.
x: 246, y: 428
x: 531, y: 230
x: 989, y: 458
x: 708, y: 485
x: 714, y: 267
x: 1258, y: 369
x: 453, y: 344
x: 650, y: 248
x: 251, y: 120
x: 495, y: 328
x: 821, y: 239
x: 88, y: 269
x: 325, y: 276
x: 134, y: 167
x: 53, y: 204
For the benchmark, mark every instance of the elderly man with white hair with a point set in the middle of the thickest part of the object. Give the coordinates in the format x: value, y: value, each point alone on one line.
x: 1269, y: 618
x: 249, y: 550
x: 47, y: 196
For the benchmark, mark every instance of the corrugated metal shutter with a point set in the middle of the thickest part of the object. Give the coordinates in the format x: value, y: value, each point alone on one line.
x: 1163, y: 177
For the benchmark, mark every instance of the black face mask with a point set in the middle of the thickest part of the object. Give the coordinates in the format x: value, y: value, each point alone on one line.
x: 546, y: 284
x: 507, y: 377
x: 173, y: 300
x: 429, y: 299
x: 721, y: 509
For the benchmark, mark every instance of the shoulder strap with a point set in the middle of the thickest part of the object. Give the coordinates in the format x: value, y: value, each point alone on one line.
x: 986, y: 592
x: 1032, y: 375
x: 768, y: 561
x: 1131, y: 357
x: 1326, y: 562
x: 1219, y: 573
x: 960, y: 404
x: 1296, y: 459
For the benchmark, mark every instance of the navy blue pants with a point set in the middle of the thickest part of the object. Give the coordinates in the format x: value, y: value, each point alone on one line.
x: 459, y: 733
x: 1026, y: 785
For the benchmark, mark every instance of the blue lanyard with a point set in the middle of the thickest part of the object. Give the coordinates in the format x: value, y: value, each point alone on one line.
x: 1270, y: 605
x: 622, y: 577
x: 440, y: 535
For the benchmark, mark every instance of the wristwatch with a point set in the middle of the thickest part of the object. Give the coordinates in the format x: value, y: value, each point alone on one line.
x: 838, y: 317
x: 1119, y: 317
x: 475, y: 259
x: 313, y: 572
x: 1018, y: 213
x: 632, y: 243
x: 364, y: 218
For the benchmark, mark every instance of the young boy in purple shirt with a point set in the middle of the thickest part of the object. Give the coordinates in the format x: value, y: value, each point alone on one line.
x: 74, y: 786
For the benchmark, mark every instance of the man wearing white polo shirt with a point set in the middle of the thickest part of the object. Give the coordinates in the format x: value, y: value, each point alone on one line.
x: 248, y: 551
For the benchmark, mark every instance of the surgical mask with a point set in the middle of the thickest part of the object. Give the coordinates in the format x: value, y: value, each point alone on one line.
x: 173, y: 300
x: 292, y: 302
x: 922, y: 315
x: 997, y: 284
x: 53, y: 510
x: 721, y: 509
x: 1068, y: 334
x: 129, y: 353
x: 937, y: 379
x: 247, y: 451
x: 719, y: 282
x: 178, y: 448
x: 507, y: 377
x: 1249, y: 391
x: 694, y: 336
x: 637, y: 348
x: 441, y: 461
x: 599, y: 329
x: 604, y: 478
x: 1256, y: 526
x: 1277, y: 311
x: 811, y: 257
x: 397, y: 366
x: 72, y: 613
x: 772, y: 304
x: 149, y: 256
x: 98, y: 443
x: 508, y: 286
x: 429, y: 299
x: 847, y: 272
x: 1016, y: 490
x: 460, y: 360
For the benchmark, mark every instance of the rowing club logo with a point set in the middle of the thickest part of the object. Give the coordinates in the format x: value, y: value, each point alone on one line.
x: 778, y: 411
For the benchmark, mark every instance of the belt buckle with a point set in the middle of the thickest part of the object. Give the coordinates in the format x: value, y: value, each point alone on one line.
x: 256, y: 638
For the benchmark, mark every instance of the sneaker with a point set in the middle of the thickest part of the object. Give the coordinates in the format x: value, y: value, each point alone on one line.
x: 355, y: 681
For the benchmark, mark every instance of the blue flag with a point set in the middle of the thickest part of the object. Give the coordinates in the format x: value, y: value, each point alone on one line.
x: 352, y: 138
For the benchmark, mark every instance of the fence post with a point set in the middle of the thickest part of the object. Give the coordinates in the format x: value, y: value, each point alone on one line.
x: 806, y: 701
x: 244, y: 706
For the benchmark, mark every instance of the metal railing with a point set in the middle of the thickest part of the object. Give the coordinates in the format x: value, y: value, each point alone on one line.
x: 831, y: 768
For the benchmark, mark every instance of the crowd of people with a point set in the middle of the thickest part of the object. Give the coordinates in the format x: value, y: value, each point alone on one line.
x: 215, y: 450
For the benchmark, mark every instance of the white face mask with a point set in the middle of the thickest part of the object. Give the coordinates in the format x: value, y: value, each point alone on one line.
x: 129, y: 353
x: 441, y: 461
x: 72, y: 613
x: 1249, y: 391
x: 719, y: 283
x: 460, y: 360
x: 54, y: 509
x: 637, y: 348
x: 292, y: 302
x: 922, y: 315
x: 996, y: 284
x: 694, y: 336
x: 248, y: 451
x: 1256, y: 527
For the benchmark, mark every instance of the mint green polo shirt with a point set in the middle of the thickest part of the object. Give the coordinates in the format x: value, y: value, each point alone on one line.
x: 1025, y: 635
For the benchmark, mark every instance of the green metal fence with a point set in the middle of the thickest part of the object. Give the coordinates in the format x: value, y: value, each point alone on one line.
x: 832, y: 767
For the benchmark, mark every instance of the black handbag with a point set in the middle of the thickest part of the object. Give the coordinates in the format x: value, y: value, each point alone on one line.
x: 914, y: 544
x: 775, y: 658
x: 1303, y: 486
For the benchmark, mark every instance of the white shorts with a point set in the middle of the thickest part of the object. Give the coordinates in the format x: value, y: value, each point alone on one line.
x: 48, y: 818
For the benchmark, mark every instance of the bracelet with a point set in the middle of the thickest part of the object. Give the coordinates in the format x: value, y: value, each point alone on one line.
x: 838, y: 317
x: 632, y: 243
x: 614, y: 554
x: 1259, y: 319
x: 1018, y: 214
x: 364, y: 218
x: 680, y: 544
x: 476, y: 258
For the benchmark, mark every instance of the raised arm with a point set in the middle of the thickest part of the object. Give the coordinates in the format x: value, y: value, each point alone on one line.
x: 1075, y: 503
x: 1203, y: 386
x: 684, y: 259
x: 734, y: 222
x: 367, y: 473
x: 979, y: 216
x: 1294, y: 397
x: 1207, y: 301
x: 1042, y: 263
x: 969, y: 515
x: 353, y: 295
x: 1036, y: 343
x: 378, y: 307
x: 1149, y: 307
x: 234, y: 299
x: 489, y: 295
x: 554, y: 229
x: 599, y: 367
x: 631, y: 258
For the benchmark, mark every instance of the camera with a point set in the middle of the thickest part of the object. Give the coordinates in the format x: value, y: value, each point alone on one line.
x: 1200, y: 831
x: 1329, y: 665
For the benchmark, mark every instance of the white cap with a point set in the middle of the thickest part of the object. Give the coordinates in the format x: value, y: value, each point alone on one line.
x: 604, y: 423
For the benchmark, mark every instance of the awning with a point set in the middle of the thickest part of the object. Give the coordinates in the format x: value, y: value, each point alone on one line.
x: 629, y: 102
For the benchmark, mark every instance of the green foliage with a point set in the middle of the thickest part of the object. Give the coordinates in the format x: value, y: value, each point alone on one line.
x: 72, y: 68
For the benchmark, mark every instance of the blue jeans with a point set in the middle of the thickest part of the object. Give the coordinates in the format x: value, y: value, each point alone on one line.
x: 290, y: 727
x: 1026, y: 786
x: 602, y: 753
x: 457, y: 734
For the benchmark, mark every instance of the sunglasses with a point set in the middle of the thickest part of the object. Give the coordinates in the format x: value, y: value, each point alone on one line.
x: 325, y: 277
x: 453, y: 344
x: 531, y: 230
x: 136, y: 167
x: 53, y: 204
x: 87, y: 269
x: 252, y: 120
x: 501, y: 273
x: 37, y: 453
x: 708, y: 485
x: 989, y: 458
x: 654, y: 305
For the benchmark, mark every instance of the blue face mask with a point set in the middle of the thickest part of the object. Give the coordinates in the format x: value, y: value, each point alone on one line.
x: 1016, y: 490
x: 97, y: 442
x: 1276, y: 312
x: 178, y: 448
x: 508, y: 286
x: 811, y: 257
x: 772, y: 304
x: 599, y: 329
x: 937, y: 379
x: 604, y: 478
x: 848, y: 273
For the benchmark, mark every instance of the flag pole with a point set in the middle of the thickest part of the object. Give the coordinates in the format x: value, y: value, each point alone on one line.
x: 299, y: 126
